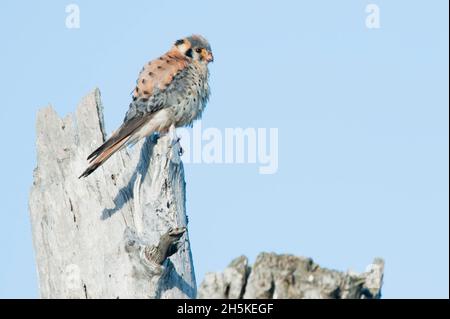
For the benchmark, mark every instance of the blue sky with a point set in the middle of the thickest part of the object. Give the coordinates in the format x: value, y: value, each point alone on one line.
x: 362, y: 118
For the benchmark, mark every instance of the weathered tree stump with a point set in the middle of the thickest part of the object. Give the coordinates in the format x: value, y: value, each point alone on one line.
x: 121, y: 232
x: 289, y: 277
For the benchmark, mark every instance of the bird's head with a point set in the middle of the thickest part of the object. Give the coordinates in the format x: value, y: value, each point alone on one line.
x: 195, y: 47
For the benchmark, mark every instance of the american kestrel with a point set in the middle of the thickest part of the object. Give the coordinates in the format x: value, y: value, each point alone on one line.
x: 171, y: 91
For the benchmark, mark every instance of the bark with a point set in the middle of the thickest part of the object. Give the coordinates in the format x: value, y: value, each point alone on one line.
x: 290, y: 277
x: 119, y: 233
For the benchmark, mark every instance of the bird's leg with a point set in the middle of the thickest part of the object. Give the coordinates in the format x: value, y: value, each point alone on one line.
x: 175, y: 139
x: 173, y: 134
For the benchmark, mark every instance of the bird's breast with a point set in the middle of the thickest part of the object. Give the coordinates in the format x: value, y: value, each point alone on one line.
x: 191, y: 99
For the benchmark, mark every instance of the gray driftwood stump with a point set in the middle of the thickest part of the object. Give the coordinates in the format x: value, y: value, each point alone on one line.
x: 120, y: 233
x: 290, y: 277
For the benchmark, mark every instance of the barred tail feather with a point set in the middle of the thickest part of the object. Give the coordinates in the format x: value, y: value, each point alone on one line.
x: 129, y: 132
x: 101, y: 156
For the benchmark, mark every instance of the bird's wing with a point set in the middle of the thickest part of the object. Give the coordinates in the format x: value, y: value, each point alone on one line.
x: 154, y: 78
x: 149, y: 95
x: 148, y: 98
x: 159, y: 73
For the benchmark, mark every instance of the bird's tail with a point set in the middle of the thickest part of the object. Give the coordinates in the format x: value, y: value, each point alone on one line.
x: 100, y: 155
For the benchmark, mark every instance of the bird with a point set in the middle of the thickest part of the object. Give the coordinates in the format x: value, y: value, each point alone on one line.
x: 171, y: 91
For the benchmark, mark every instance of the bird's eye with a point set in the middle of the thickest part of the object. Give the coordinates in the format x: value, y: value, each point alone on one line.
x: 198, y: 50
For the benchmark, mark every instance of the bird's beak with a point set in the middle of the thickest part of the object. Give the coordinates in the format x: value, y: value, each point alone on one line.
x: 208, y: 56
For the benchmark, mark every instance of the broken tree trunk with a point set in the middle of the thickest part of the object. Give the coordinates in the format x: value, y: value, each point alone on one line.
x: 289, y: 277
x: 119, y: 233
